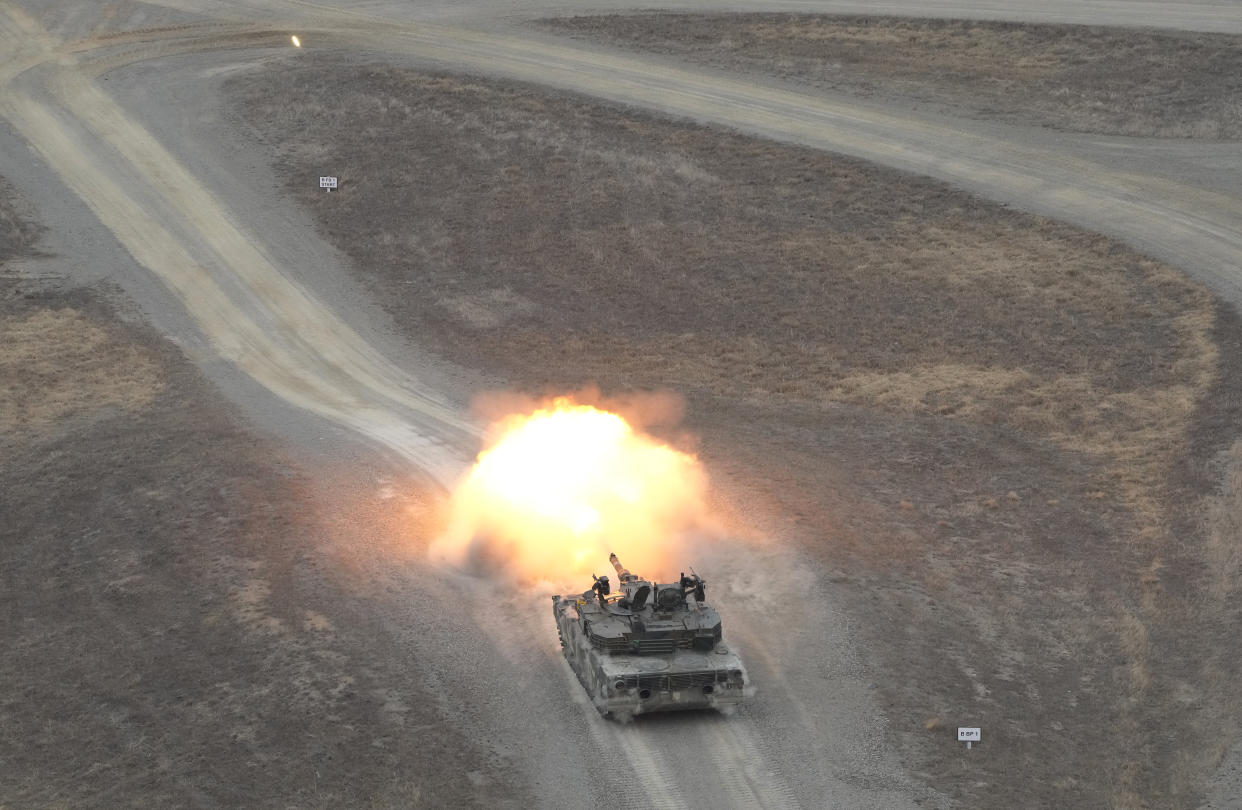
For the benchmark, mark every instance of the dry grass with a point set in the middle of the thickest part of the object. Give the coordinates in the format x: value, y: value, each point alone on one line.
x: 156, y: 570
x: 1223, y: 518
x: 981, y: 418
x: 1089, y: 79
x: 57, y: 363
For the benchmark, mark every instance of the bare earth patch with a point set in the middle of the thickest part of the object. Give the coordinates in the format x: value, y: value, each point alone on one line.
x: 993, y: 430
x: 1081, y: 78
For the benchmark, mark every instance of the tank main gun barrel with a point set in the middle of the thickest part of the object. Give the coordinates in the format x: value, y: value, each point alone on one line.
x: 625, y: 575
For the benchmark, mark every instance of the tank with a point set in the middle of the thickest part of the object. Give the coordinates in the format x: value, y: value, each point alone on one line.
x: 648, y: 646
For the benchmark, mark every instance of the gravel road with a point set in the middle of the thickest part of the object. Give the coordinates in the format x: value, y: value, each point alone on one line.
x: 222, y: 268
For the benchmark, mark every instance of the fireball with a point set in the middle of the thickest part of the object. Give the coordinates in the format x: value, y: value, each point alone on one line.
x: 562, y: 487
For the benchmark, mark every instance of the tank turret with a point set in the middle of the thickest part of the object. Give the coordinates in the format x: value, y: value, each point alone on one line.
x: 648, y: 647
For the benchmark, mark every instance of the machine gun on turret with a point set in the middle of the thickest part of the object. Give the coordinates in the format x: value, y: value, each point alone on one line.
x: 601, y: 587
x: 694, y: 584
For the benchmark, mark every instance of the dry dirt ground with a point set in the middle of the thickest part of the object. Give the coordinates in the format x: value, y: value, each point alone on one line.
x: 176, y: 626
x: 1080, y: 78
x: 999, y: 433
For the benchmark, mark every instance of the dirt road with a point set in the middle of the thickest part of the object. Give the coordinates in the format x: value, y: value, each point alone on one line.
x: 244, y: 292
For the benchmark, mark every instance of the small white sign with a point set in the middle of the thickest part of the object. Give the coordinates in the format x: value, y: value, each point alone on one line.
x: 327, y: 182
x: 970, y: 736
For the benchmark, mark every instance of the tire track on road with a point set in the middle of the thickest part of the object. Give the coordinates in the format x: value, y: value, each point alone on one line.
x: 253, y: 314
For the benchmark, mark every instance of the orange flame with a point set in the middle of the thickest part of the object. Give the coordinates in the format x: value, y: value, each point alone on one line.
x: 565, y: 485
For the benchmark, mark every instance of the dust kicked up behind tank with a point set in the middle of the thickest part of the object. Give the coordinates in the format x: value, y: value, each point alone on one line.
x: 651, y: 647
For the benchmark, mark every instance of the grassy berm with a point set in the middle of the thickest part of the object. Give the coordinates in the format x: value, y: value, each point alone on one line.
x: 173, y: 626
x: 996, y: 433
x: 1083, y: 78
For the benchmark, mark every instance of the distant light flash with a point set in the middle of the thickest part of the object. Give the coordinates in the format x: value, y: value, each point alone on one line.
x: 297, y: 43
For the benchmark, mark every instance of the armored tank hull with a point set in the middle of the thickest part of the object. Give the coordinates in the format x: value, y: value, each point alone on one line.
x: 652, y: 648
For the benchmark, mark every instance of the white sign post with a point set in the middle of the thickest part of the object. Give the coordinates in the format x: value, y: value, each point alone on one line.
x: 968, y: 736
x: 327, y: 182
